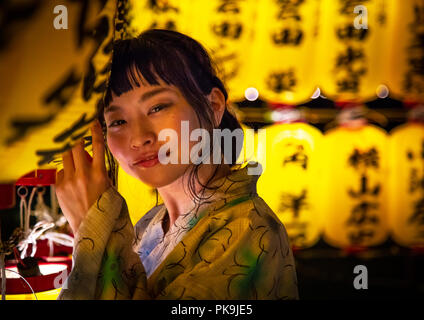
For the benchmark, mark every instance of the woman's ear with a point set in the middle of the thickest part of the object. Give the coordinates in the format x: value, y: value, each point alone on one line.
x: 217, y: 101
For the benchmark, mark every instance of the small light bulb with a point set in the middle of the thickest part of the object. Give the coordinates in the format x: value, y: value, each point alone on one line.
x: 251, y: 94
x: 316, y: 94
x: 382, y: 91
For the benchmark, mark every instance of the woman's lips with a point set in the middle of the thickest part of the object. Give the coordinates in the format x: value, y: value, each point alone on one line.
x: 148, y: 163
x: 151, y: 162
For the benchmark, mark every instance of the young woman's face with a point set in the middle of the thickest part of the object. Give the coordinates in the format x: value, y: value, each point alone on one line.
x: 134, y: 121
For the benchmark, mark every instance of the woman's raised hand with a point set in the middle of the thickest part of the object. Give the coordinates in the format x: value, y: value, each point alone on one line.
x: 82, y: 180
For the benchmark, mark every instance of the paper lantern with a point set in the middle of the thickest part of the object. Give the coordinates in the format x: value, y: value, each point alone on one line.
x: 141, y: 15
x: 406, y: 210
x: 355, y: 186
x: 405, y: 76
x: 282, y: 64
x: 225, y: 29
x: 51, y: 79
x: 353, y: 48
x: 290, y: 183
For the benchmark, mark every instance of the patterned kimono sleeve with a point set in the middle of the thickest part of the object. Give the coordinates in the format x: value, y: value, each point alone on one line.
x: 234, y: 255
x: 104, y: 264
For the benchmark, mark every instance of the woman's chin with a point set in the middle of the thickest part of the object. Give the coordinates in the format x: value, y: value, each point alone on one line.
x: 160, y: 176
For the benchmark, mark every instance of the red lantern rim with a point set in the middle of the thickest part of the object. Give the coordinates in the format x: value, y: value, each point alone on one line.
x: 39, y: 283
x: 347, y: 104
x: 411, y: 104
x: 39, y: 177
x: 280, y: 106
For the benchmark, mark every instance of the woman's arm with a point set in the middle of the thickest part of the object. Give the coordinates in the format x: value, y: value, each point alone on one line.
x: 105, y: 266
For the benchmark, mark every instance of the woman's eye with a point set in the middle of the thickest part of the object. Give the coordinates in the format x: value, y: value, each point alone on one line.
x: 158, y: 108
x: 116, y: 123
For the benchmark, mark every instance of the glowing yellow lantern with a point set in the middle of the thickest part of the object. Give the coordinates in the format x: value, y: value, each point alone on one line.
x: 290, y: 183
x: 355, y: 186
x: 53, y: 75
x: 405, y: 78
x: 406, y: 210
x: 225, y: 29
x: 353, y: 48
x: 142, y: 15
x: 281, y: 65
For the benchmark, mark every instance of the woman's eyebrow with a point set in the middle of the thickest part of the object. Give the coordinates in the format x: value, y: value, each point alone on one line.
x: 111, y: 108
x: 147, y: 95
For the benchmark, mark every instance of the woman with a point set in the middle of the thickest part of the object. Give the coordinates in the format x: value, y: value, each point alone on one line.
x: 213, y: 237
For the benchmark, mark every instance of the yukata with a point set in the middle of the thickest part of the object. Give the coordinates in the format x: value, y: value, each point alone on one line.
x: 232, y: 247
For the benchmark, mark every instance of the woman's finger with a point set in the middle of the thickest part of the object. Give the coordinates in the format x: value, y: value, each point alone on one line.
x: 98, y: 145
x: 68, y: 164
x: 59, y: 177
x: 80, y: 159
x: 89, y: 157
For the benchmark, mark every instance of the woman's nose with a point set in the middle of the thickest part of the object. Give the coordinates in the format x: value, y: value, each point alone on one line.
x: 141, y: 136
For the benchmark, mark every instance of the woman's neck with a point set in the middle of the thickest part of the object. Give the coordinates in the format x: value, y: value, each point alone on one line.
x: 176, y: 197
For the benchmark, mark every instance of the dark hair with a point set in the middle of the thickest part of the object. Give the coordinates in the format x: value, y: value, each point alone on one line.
x: 177, y: 60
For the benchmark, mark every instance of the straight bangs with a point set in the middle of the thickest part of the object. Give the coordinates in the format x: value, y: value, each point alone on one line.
x: 132, y: 66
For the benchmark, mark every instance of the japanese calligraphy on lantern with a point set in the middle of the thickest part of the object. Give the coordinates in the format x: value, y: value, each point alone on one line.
x: 406, y: 189
x: 356, y: 186
x: 354, y: 57
x: 155, y: 14
x: 406, y: 81
x: 285, y: 36
x: 364, y: 214
x: 225, y: 28
x: 290, y: 185
x: 55, y: 79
